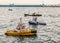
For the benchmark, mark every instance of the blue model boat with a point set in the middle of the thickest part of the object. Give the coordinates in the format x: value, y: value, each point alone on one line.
x: 36, y: 23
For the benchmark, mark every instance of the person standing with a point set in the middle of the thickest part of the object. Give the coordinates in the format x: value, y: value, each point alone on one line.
x: 34, y: 18
x: 20, y: 25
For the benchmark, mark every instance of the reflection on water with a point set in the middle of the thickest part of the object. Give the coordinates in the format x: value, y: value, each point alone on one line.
x: 17, y: 39
x: 33, y: 26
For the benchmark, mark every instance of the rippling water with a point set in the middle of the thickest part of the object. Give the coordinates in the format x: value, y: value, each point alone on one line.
x: 45, y: 34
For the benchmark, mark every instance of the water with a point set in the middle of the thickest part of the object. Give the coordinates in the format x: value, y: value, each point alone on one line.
x: 45, y: 34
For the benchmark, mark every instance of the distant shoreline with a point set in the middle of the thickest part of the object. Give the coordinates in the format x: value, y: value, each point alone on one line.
x: 29, y: 6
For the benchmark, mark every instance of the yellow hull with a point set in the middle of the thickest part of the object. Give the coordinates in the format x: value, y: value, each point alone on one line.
x: 20, y: 33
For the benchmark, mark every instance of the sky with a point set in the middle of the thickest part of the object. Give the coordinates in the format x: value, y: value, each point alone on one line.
x: 30, y: 2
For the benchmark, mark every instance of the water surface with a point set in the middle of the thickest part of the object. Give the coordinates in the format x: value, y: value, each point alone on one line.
x: 45, y: 34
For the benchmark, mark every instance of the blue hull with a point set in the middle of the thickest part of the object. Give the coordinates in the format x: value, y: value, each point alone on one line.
x: 36, y: 23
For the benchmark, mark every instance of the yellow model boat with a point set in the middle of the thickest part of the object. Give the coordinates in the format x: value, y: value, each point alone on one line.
x: 26, y: 32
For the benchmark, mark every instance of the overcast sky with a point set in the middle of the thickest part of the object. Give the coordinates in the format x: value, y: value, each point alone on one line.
x: 30, y: 2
